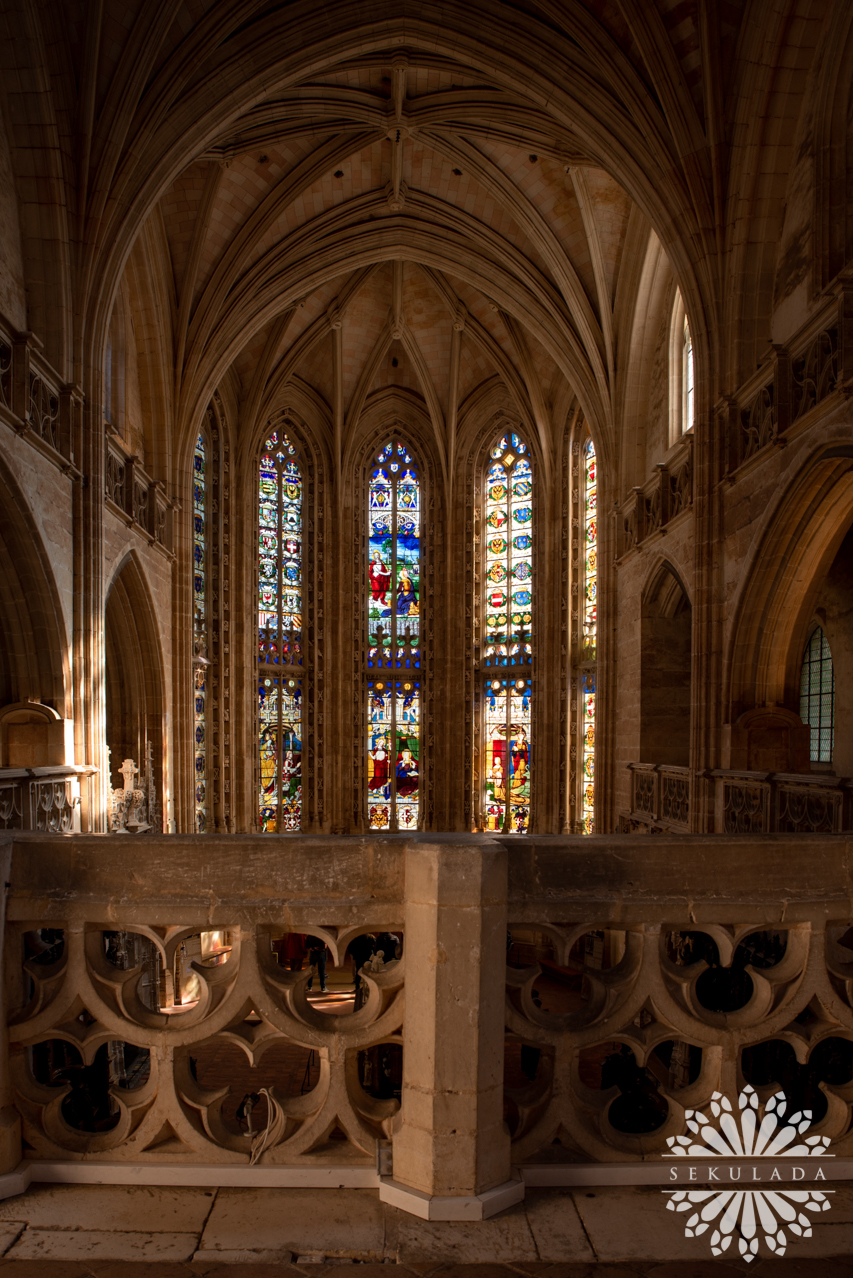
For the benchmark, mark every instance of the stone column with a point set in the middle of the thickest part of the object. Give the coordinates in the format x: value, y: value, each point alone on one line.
x: 452, y: 1150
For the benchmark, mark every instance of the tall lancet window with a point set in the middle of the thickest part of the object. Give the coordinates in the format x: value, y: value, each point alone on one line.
x: 688, y: 411
x: 507, y: 652
x: 393, y: 659
x: 817, y: 696
x: 280, y: 497
x: 589, y: 630
x: 200, y: 636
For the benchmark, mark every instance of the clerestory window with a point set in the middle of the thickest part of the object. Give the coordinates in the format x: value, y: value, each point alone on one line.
x: 817, y: 696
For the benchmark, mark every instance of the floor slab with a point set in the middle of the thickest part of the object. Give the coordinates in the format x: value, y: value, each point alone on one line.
x: 138, y: 1208
x: 504, y: 1238
x: 331, y: 1222
x: 556, y: 1226
x: 101, y: 1244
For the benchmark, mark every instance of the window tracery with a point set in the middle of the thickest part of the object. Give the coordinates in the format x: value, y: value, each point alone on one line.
x: 394, y: 761
x: 279, y: 602
x: 817, y: 696
x: 508, y: 538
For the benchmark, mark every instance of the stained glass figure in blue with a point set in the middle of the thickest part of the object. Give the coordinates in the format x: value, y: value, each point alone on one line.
x: 393, y: 609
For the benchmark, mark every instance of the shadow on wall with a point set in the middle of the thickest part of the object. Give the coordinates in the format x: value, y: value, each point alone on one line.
x: 666, y: 631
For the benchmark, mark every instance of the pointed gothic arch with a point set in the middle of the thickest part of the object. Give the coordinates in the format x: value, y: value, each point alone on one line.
x: 135, y: 723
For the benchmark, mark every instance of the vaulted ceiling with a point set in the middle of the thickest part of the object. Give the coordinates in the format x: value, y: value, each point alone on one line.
x: 445, y: 201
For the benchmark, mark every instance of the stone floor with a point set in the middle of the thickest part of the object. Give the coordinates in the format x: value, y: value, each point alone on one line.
x: 77, y: 1231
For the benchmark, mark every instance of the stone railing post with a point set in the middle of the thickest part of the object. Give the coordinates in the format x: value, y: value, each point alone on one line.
x: 452, y: 1149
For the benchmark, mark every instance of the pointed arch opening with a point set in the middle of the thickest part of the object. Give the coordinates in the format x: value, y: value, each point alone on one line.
x: 280, y: 634
x: 134, y: 692
x: 507, y: 635
x: 682, y: 372
x: 665, y: 670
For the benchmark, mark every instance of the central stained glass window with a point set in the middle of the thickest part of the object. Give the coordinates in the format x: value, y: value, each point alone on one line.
x: 280, y: 494
x: 393, y: 659
x: 507, y: 652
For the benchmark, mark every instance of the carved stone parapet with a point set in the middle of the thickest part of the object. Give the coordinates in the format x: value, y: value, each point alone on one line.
x: 43, y: 410
x: 5, y: 372
x: 159, y: 512
x: 781, y: 803
x: 660, y: 798
x: 23, y: 346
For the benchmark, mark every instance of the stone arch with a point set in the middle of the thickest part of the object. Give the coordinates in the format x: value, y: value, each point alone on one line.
x: 133, y: 682
x: 777, y: 600
x: 666, y: 624
x: 34, y: 656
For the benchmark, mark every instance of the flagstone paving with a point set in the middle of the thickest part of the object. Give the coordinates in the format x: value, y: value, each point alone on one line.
x: 84, y: 1231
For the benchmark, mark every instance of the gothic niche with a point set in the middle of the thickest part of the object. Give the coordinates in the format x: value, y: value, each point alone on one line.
x: 667, y: 620
x: 134, y: 713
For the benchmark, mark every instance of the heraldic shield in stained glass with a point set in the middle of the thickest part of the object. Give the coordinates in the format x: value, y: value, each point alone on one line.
x: 393, y: 658
x: 200, y: 630
x: 280, y: 493
x: 507, y: 650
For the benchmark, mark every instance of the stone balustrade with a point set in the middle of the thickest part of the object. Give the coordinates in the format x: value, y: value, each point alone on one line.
x: 569, y: 999
x: 46, y: 799
x: 781, y: 803
x: 131, y: 492
x: 660, y: 799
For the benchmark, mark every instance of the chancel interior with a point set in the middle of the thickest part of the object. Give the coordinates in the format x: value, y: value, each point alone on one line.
x: 426, y: 582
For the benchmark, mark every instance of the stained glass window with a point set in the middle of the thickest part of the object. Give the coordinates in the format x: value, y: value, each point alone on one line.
x: 817, y: 696
x: 393, y: 660
x: 589, y: 625
x: 687, y: 379
x: 200, y: 631
x: 280, y: 493
x: 508, y: 615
